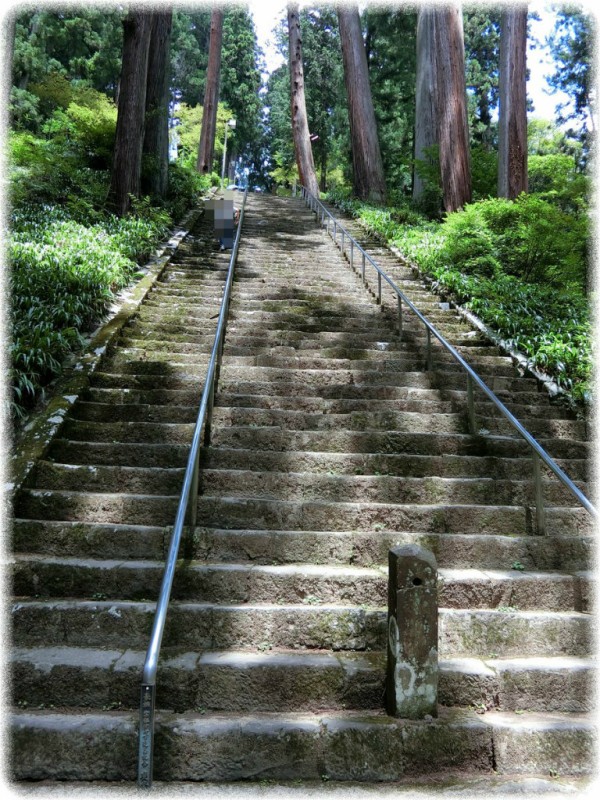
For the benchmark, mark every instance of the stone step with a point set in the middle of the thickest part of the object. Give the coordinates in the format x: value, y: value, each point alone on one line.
x: 433, y: 420
x: 197, y: 626
x: 284, y: 680
x: 290, y: 485
x: 400, y: 464
x: 358, y: 548
x: 107, y: 478
x: 95, y: 540
x: 287, y: 747
x: 103, y: 507
x: 129, y: 432
x: 319, y: 377
x: 128, y: 454
x: 350, y: 421
x: 135, y: 412
x: 365, y: 548
x: 294, y: 583
x: 240, y: 512
x: 381, y: 442
x: 423, y: 401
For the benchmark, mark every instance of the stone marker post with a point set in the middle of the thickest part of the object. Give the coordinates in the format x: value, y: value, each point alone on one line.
x: 412, y: 661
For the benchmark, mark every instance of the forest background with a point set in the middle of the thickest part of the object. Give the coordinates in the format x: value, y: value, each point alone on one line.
x: 524, y: 266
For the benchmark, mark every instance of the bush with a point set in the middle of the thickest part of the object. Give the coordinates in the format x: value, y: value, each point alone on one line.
x: 63, y: 277
x: 470, y: 257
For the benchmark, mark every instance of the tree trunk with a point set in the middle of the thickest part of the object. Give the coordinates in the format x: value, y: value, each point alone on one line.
x: 512, y: 127
x: 369, y: 180
x: 206, y: 149
x: 451, y: 106
x: 127, y: 161
x: 156, y: 137
x: 425, y: 114
x: 304, y: 155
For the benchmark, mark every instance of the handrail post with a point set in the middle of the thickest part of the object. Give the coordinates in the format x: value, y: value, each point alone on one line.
x: 343, y: 243
x: 352, y: 253
x: 363, y: 268
x: 146, y: 736
x: 428, y: 348
x: 471, y: 405
x: 379, y: 288
x: 540, y: 511
x: 399, y: 316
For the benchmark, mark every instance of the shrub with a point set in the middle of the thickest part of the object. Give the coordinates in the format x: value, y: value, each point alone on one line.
x: 470, y: 255
x: 63, y: 277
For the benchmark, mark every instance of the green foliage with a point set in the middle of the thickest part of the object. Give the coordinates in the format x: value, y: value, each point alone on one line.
x: 391, y: 53
x: 572, y: 45
x: 189, y: 54
x: 63, y: 277
x: 484, y: 171
x: 519, y: 265
x: 24, y: 110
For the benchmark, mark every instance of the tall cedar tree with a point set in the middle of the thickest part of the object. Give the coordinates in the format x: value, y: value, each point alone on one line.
x: 451, y: 106
x: 206, y: 147
x: 300, y: 132
x: 129, y: 138
x: 512, y: 127
x: 156, y: 138
x: 425, y: 110
x: 368, y: 177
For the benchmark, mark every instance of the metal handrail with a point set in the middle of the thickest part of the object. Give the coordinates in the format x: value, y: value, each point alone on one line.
x: 472, y: 377
x: 189, y: 492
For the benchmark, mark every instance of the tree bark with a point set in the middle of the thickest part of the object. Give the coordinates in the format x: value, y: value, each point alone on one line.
x: 369, y: 180
x: 156, y: 137
x: 206, y: 148
x: 300, y: 132
x: 512, y: 127
x: 451, y: 106
x: 425, y: 113
x: 127, y: 161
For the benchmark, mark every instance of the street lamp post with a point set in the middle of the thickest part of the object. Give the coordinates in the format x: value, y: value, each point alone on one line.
x: 231, y: 123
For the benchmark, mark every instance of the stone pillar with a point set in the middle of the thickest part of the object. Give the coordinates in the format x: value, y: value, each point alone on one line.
x: 412, y: 662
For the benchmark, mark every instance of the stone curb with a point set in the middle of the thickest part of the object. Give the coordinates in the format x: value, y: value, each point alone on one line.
x: 34, y: 440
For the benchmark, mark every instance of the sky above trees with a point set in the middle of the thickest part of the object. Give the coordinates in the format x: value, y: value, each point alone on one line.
x: 539, y: 62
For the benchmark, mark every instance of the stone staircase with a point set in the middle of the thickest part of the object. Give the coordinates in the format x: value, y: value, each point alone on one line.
x: 330, y: 444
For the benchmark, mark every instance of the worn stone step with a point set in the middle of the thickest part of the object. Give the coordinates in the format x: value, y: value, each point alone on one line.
x: 329, y: 746
x: 96, y: 540
x: 105, y: 478
x: 377, y: 398
x: 303, y: 378
x: 412, y: 465
x: 167, y: 379
x: 85, y: 506
x: 290, y: 485
x: 293, y: 583
x: 240, y: 512
x: 128, y: 454
x: 129, y: 432
x: 463, y: 633
x: 550, y: 684
x: 276, y: 681
x: 365, y: 548
x: 159, y: 364
x: 433, y: 419
x: 352, y: 421
x: 218, y: 583
x: 135, y: 412
x: 385, y: 442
